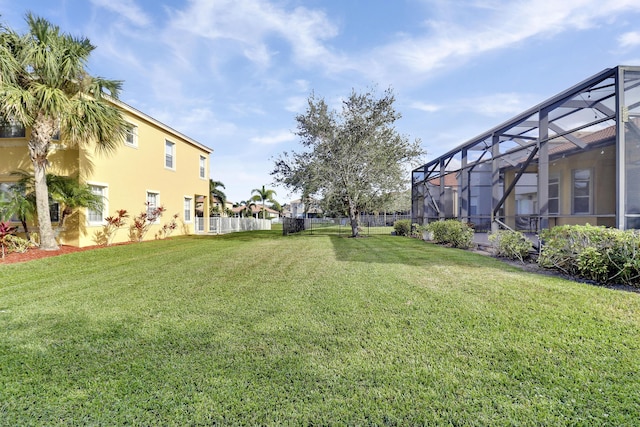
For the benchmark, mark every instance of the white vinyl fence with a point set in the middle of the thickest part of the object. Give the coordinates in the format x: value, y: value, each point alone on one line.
x: 222, y: 225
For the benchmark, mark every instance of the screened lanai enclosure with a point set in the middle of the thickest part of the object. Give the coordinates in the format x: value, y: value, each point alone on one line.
x: 573, y: 159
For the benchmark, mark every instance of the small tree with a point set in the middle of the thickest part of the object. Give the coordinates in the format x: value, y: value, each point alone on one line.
x: 217, y: 196
x: 67, y: 191
x: 20, y: 204
x: 71, y: 195
x: 352, y: 157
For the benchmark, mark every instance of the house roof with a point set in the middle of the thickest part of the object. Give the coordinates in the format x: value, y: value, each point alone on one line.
x: 561, y: 120
x: 161, y: 125
x: 590, y: 139
x: 450, y: 180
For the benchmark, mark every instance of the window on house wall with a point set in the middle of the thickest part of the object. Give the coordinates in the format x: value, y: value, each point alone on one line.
x: 6, y: 193
x: 153, y: 202
x: 187, y: 209
x: 54, y: 211
x: 169, y: 155
x: 96, y: 215
x: 203, y: 166
x: 554, y: 194
x: 582, y: 191
x: 10, y: 128
x: 131, y: 138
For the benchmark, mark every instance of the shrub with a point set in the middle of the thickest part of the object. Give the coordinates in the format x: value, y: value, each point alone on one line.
x: 606, y: 255
x: 9, y: 242
x: 113, y: 224
x: 402, y: 227
x: 168, y: 228
x: 18, y: 244
x: 6, y: 232
x: 143, y: 222
x: 510, y: 244
x: 451, y: 232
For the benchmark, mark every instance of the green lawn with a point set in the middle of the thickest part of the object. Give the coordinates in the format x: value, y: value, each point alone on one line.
x: 256, y: 328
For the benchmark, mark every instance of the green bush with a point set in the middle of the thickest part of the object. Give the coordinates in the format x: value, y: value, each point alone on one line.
x: 402, y: 227
x: 606, y: 255
x: 510, y: 244
x: 451, y: 232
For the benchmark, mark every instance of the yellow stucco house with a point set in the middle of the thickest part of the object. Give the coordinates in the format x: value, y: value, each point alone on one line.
x: 156, y: 165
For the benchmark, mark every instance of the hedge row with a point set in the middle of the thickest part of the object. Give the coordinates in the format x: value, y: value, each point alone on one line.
x: 597, y: 253
x: 605, y: 255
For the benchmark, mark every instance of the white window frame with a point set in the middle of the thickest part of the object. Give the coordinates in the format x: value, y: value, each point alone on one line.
x: 169, y: 155
x: 133, y: 132
x: 151, y: 206
x: 105, y: 207
x: 203, y: 167
x: 589, y: 197
x: 187, y: 209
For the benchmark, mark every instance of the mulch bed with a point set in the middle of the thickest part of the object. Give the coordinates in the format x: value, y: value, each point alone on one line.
x: 33, y: 254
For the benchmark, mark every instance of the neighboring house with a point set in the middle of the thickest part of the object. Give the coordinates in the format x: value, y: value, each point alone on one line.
x: 298, y: 209
x: 217, y: 203
x: 572, y: 159
x: 155, y: 165
x: 256, y: 211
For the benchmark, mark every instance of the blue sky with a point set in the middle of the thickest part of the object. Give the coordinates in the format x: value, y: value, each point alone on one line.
x: 233, y: 74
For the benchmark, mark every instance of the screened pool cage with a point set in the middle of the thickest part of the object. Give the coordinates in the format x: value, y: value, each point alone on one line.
x: 573, y: 159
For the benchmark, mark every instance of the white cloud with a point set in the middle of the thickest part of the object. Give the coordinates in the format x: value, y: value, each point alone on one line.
x: 296, y: 104
x: 127, y: 9
x: 274, y: 138
x: 497, y: 105
x: 450, y: 39
x: 629, y: 39
x: 250, y: 25
x: 423, y: 106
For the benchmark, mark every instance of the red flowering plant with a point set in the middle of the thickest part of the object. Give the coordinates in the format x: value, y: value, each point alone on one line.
x: 168, y: 228
x: 7, y: 233
x: 144, y: 221
x: 114, y: 223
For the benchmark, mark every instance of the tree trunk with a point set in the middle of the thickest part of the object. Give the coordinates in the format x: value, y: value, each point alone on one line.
x: 41, y: 133
x: 353, y: 218
x: 47, y: 239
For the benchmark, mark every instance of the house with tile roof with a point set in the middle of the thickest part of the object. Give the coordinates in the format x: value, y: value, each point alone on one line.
x: 572, y: 159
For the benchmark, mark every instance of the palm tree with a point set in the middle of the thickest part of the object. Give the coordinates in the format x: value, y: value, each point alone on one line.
x: 44, y: 85
x: 71, y: 195
x: 67, y: 191
x: 263, y: 195
x: 217, y: 194
x: 247, y: 208
x: 19, y: 204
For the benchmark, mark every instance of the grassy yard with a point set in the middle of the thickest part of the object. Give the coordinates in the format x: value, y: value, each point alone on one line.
x: 255, y: 328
